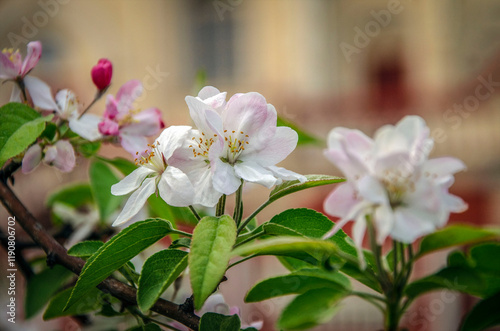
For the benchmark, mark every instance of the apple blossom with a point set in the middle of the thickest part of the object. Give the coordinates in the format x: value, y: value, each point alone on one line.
x: 235, y: 141
x: 155, y: 174
x: 130, y: 126
x: 391, y: 181
x: 12, y: 67
x: 61, y: 155
x: 101, y: 74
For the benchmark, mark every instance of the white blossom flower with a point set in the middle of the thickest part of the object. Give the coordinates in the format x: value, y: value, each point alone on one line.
x: 235, y: 141
x: 61, y: 155
x: 155, y: 174
x: 391, y: 180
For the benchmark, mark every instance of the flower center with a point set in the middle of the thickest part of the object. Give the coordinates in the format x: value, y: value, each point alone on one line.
x: 235, y: 144
x: 152, y: 158
x: 128, y: 118
x: 397, y: 185
x: 201, y: 144
x: 10, y: 53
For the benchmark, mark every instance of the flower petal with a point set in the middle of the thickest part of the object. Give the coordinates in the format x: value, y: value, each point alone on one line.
x: 175, y: 188
x: 225, y: 179
x: 205, y: 118
x: 40, y: 93
x: 443, y: 166
x: 131, y: 182
x: 134, y: 144
x: 172, y: 138
x: 410, y: 224
x: 255, y: 173
x: 248, y: 113
x: 272, y: 150
x: 86, y: 126
x: 127, y: 94
x: 285, y: 174
x: 15, y: 96
x: 341, y: 200
x: 145, y: 123
x: 213, y: 97
x: 64, y: 159
x: 8, y: 70
x: 31, y: 159
x: 136, y: 201
x: 32, y: 57
x: 202, y: 179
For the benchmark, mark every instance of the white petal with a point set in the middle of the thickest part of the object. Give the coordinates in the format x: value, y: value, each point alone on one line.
x: 286, y: 174
x: 131, y: 182
x: 31, y: 159
x: 86, y: 127
x: 40, y: 93
x: 225, y: 179
x: 254, y: 173
x: 410, y: 224
x: 136, y: 201
x: 175, y: 188
x: 15, y: 96
x: 65, y: 159
x: 205, y: 192
x: 372, y: 190
x: 443, y: 166
x: 173, y: 138
x: 249, y: 113
x: 205, y: 118
x: 358, y: 233
x: 272, y: 150
x: 384, y: 222
x: 134, y: 144
x: 341, y: 200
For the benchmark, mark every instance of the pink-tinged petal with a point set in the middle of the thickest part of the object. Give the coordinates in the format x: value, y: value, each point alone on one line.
x: 136, y: 201
x: 285, y: 174
x: 67, y: 103
x: 86, y: 126
x: 175, y: 188
x: 398, y: 164
x: 454, y: 204
x: 443, y: 166
x: 134, y: 144
x: 384, y: 222
x: 225, y: 179
x: 127, y: 94
x: 417, y: 134
x: 271, y: 150
x: 145, y: 123
x: 132, y: 181
x: 172, y: 138
x: 31, y: 159
x: 32, y: 57
x: 255, y: 173
x: 371, y: 189
x: 213, y: 97
x: 15, y: 96
x: 358, y: 233
x: 390, y: 141
x: 410, y: 224
x: 354, y: 140
x: 61, y: 155
x: 248, y: 113
x: 341, y: 200
x: 206, y: 119
x: 111, y: 107
x: 8, y: 69
x: 108, y: 127
x: 40, y: 93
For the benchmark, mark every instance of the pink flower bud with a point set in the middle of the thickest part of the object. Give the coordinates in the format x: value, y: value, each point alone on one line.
x: 102, y: 73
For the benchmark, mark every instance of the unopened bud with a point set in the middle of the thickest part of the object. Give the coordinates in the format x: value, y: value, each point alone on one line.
x: 102, y: 73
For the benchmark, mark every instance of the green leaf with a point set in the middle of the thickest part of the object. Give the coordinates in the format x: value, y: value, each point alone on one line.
x: 101, y: 180
x: 50, y: 131
x: 121, y: 164
x: 298, y: 282
x: 304, y: 137
x: 159, y: 271
x: 181, y: 242
x: 286, y: 246
x: 218, y: 322
x: 116, y: 252
x: 88, y: 149
x: 311, y: 308
x: 42, y: 286
x: 160, y: 208
x: 20, y: 126
x: 73, y: 196
x: 455, y: 235
x: 460, y: 279
x: 292, y: 186
x: 85, y: 249
x: 210, y: 252
x: 483, y: 315
x: 90, y: 301
x: 485, y: 257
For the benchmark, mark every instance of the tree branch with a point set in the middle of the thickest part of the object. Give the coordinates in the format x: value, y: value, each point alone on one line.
x: 57, y: 252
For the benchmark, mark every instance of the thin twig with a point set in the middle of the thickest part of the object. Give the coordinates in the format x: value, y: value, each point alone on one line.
x: 125, y: 293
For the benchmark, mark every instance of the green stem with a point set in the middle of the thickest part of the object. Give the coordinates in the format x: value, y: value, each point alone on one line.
x: 242, y: 260
x: 371, y: 299
x: 22, y: 87
x: 221, y: 206
x: 238, y: 206
x: 395, y: 259
x: 249, y: 218
x: 250, y: 238
x: 182, y: 233
x: 195, y: 213
x: 377, y: 253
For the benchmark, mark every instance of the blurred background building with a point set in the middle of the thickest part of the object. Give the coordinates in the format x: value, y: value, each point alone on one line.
x: 321, y: 63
